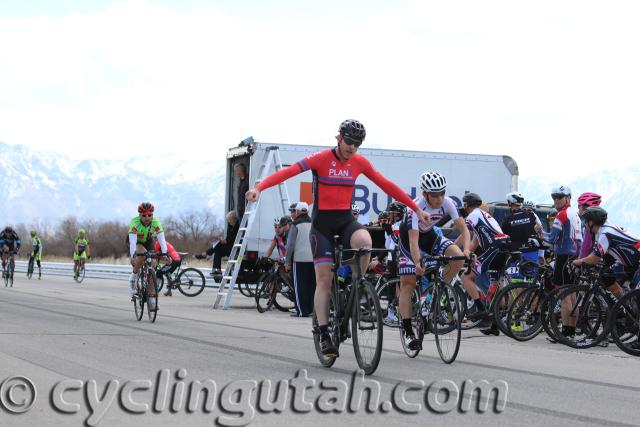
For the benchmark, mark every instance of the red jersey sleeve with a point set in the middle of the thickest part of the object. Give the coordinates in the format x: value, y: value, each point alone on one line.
x: 387, y: 186
x: 286, y: 173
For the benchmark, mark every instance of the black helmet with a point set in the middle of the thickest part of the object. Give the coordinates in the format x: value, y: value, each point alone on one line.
x: 285, y: 220
x: 353, y: 129
x: 397, y: 208
x: 8, y: 229
x: 595, y: 214
x: 472, y: 199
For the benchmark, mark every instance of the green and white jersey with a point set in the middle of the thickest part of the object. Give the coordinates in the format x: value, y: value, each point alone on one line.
x: 143, y: 232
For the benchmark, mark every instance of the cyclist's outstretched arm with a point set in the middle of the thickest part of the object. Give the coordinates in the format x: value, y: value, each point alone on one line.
x: 278, y: 177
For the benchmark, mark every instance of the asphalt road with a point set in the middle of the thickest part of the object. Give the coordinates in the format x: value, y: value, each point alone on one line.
x: 79, y: 347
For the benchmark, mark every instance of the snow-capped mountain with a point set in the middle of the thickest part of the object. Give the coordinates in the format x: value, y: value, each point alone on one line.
x: 44, y: 185
x: 619, y: 188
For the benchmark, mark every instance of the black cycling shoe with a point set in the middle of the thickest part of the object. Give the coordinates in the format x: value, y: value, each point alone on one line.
x: 477, y: 315
x: 326, y: 346
x: 491, y: 330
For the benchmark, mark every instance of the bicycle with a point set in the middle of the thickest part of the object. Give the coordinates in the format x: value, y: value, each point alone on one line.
x: 189, y: 281
x: 354, y: 304
x: 79, y: 271
x: 441, y: 312
x: 274, y: 289
x: 8, y: 268
x: 590, y: 308
x: 146, y: 280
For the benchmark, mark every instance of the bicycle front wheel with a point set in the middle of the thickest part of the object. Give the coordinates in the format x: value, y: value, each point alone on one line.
x: 30, y: 268
x: 366, y: 327
x: 446, y: 320
x: 625, y: 323
x: 81, y: 272
x: 191, y: 282
x: 524, y: 316
x: 152, y: 302
x: 501, y: 303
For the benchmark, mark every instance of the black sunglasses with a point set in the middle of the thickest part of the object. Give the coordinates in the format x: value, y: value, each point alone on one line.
x: 350, y: 141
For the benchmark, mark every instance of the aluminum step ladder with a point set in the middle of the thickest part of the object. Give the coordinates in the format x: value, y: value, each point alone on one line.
x: 228, y: 281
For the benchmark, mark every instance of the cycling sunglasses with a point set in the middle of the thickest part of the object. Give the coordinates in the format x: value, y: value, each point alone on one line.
x: 437, y: 193
x: 350, y: 141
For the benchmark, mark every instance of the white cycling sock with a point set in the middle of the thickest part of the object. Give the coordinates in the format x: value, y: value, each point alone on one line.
x: 132, y: 283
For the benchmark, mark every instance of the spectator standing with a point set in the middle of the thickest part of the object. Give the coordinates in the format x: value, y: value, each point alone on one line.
x: 299, y: 260
x: 242, y: 186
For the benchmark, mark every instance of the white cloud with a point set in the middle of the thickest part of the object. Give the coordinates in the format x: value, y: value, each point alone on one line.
x: 549, y: 83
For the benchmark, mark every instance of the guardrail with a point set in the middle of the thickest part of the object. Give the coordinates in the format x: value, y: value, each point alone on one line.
x: 96, y: 271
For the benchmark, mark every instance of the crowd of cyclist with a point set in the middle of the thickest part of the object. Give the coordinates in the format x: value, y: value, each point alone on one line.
x: 577, y: 235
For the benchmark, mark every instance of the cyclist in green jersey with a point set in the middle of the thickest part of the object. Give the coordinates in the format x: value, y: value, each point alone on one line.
x: 143, y: 231
x: 81, y: 251
x: 36, y: 251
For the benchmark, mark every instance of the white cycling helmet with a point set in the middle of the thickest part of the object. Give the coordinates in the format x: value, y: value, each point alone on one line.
x: 432, y: 182
x: 561, y: 191
x: 355, y: 208
x: 515, y: 198
x: 528, y: 205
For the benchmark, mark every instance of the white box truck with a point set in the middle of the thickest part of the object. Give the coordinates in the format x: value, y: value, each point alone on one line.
x: 491, y: 176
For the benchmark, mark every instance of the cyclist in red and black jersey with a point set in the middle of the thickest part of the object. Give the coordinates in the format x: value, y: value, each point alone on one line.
x: 334, y: 176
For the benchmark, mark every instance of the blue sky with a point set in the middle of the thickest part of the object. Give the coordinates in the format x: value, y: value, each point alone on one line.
x: 552, y: 83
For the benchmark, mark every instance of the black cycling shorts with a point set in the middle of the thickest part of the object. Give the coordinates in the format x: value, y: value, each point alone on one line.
x: 327, y: 224
x: 562, y: 275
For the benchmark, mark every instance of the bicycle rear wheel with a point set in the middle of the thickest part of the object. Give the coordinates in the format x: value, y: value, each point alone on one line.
x: 625, y: 323
x: 191, y: 282
x: 524, y: 317
x: 366, y: 327
x: 467, y: 305
x: 334, y: 331
x: 12, y: 269
x: 265, y: 294
x: 160, y: 283
x: 446, y: 322
x: 591, y: 312
x: 417, y: 324
x: 285, y: 295
x: 30, y: 268
x: 152, y: 308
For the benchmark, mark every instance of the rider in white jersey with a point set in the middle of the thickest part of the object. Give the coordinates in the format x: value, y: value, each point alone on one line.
x: 418, y: 238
